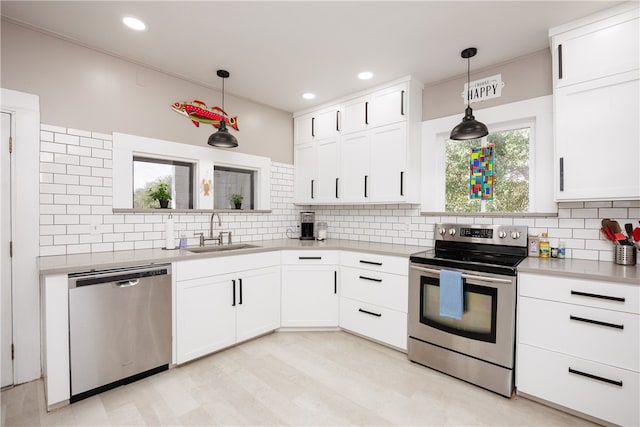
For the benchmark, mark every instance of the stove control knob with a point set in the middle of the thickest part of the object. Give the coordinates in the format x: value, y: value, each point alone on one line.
x: 441, y: 231
x: 452, y: 232
x: 502, y: 234
x: 515, y: 234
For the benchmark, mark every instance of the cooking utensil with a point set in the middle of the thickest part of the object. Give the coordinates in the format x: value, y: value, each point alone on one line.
x: 608, y: 235
x: 636, y: 234
x: 629, y: 229
x: 615, y: 230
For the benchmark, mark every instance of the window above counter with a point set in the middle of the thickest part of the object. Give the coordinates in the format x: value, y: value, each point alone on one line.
x: 197, y: 163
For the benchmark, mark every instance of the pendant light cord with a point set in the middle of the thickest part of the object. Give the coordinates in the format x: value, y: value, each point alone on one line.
x: 468, y: 80
x: 223, y: 94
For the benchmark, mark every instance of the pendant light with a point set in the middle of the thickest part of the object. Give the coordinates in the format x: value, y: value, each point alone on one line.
x: 469, y: 128
x: 222, y: 138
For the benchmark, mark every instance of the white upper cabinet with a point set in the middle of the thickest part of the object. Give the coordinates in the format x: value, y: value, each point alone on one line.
x: 367, y: 148
x: 596, y: 106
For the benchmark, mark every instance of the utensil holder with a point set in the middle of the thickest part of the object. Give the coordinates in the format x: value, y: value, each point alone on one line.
x: 626, y: 255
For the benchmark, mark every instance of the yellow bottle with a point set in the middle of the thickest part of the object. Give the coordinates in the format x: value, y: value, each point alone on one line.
x: 545, y: 246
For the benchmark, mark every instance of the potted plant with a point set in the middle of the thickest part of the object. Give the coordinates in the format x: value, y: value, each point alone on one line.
x: 236, y: 199
x: 160, y: 192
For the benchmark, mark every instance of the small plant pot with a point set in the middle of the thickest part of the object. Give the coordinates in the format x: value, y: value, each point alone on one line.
x: 164, y: 204
x: 238, y: 205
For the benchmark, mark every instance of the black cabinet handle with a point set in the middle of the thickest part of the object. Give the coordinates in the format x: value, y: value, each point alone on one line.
x: 338, y: 120
x: 366, y: 113
x: 402, y: 103
x: 595, y: 322
x: 337, y: 179
x: 371, y: 279
x: 313, y: 126
x: 370, y: 262
x: 309, y: 257
x: 594, y: 377
x: 312, y: 188
x: 402, y: 183
x: 234, y: 293
x: 559, y: 61
x: 361, y: 310
x: 240, y: 283
x: 366, y: 178
x: 605, y: 297
x: 561, y: 173
x: 335, y: 282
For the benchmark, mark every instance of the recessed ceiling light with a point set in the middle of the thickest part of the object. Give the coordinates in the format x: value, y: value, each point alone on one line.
x: 365, y: 75
x: 134, y: 23
x: 308, y: 95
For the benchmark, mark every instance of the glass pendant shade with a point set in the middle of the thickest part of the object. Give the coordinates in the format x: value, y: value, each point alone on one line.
x: 223, y: 138
x: 469, y: 128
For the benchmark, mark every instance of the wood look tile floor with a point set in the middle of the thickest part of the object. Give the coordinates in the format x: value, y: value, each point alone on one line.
x: 289, y: 378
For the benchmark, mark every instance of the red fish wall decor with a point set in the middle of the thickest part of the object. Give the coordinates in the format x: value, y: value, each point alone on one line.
x: 198, y: 112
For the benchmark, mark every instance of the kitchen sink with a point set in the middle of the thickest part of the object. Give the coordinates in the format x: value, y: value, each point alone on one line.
x: 221, y: 248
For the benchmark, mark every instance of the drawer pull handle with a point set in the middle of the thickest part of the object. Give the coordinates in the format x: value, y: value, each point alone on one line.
x: 371, y: 278
x: 595, y: 377
x: 371, y: 313
x: 335, y: 282
x: 607, y: 297
x: 309, y: 257
x: 370, y: 262
x: 595, y: 322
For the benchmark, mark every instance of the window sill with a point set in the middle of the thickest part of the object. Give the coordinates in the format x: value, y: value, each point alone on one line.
x: 493, y: 214
x: 187, y: 211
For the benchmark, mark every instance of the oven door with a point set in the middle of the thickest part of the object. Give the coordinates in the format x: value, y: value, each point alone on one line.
x: 487, y: 328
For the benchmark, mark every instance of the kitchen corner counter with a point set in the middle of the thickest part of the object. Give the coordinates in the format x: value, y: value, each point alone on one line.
x: 62, y: 264
x: 580, y: 268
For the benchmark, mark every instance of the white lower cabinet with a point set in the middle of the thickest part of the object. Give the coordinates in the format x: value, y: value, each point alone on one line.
x: 579, y: 345
x: 217, y: 311
x: 374, y: 297
x: 310, y: 289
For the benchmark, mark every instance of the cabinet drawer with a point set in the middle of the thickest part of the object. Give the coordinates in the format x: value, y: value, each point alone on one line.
x: 383, y: 289
x: 545, y: 374
x: 592, y: 293
x: 374, y: 262
x: 310, y: 257
x: 204, y: 267
x: 379, y: 323
x: 605, y: 336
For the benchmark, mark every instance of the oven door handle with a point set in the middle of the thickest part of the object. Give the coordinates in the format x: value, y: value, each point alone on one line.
x: 464, y: 276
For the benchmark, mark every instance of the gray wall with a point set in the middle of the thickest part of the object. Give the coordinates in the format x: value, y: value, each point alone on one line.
x: 84, y: 89
x: 525, y: 77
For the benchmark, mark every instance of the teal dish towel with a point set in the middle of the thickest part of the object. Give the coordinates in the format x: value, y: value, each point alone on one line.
x: 451, y: 294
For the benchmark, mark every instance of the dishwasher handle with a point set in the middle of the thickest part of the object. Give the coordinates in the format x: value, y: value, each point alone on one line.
x: 126, y: 283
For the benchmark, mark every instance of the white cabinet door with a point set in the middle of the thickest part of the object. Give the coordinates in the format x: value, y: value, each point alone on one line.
x: 305, y: 172
x: 388, y: 163
x: 355, y: 150
x: 206, y: 318
x: 309, y: 296
x: 303, y: 129
x: 355, y: 115
x: 597, y: 136
x: 258, y: 302
x: 601, y: 49
x: 388, y: 105
x: 328, y: 169
x: 325, y: 123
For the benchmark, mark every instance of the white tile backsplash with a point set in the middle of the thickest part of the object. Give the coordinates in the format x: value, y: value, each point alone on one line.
x: 76, y: 214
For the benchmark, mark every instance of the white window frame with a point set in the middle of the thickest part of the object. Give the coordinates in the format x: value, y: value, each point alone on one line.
x: 125, y: 147
x: 536, y: 113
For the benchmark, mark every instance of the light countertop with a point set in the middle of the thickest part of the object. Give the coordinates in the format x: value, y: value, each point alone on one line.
x: 63, y: 264
x: 583, y: 269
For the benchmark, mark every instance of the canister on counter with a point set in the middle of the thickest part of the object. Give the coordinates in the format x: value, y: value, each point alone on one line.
x: 534, y: 245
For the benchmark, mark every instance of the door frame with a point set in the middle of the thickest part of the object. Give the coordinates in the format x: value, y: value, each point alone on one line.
x: 25, y: 109
x: 6, y: 237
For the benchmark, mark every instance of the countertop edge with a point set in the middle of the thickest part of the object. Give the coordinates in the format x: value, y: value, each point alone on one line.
x: 582, y: 269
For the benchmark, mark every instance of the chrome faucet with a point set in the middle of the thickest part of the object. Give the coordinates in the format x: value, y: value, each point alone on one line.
x: 218, y: 237
x: 211, y: 223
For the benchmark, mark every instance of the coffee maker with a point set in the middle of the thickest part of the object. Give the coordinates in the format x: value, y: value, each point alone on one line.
x: 307, y: 223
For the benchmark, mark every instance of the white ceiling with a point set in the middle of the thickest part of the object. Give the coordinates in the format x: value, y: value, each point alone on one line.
x: 275, y: 51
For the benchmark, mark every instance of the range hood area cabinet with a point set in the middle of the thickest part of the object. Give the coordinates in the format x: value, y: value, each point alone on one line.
x: 596, y: 76
x: 364, y: 148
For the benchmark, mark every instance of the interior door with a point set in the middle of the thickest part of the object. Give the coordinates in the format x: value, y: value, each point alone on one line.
x: 5, y: 265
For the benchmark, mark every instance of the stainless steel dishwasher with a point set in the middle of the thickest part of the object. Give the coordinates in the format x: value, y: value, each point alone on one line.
x: 119, y: 326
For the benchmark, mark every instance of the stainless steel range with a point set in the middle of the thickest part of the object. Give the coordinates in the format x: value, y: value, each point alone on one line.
x: 479, y: 346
